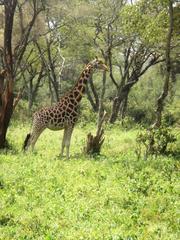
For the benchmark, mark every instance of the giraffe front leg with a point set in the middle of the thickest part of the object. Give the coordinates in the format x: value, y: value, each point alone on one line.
x: 63, y: 142
x: 69, y: 131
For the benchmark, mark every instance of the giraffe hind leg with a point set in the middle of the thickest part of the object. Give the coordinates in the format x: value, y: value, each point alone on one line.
x: 32, y: 138
x: 66, y: 140
x: 35, y: 135
x: 25, y: 145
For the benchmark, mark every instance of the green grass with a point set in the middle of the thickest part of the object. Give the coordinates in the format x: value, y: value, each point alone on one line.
x: 113, y: 196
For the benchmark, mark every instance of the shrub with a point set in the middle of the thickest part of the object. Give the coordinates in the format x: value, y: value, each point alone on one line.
x: 169, y: 119
x: 155, y: 141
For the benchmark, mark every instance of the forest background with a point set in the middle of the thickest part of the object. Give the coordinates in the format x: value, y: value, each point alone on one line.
x: 44, y: 46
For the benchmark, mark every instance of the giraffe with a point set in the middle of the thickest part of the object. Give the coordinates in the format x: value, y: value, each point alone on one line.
x: 64, y: 114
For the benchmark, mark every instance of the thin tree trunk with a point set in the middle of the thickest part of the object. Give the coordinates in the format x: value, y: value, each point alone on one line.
x: 92, y: 95
x: 101, y: 100
x: 91, y: 100
x: 162, y: 97
x: 101, y: 105
x: 30, y: 95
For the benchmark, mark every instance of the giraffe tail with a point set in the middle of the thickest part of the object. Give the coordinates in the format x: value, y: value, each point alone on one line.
x: 26, y: 141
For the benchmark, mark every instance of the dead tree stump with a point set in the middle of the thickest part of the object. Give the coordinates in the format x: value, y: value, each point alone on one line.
x: 94, y: 143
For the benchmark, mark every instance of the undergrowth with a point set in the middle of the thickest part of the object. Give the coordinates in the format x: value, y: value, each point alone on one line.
x: 114, y: 196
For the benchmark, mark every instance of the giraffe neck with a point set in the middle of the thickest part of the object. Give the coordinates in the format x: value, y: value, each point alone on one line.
x: 80, y: 87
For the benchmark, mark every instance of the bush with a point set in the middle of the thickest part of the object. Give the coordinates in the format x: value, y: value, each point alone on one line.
x: 141, y: 115
x: 87, y: 115
x: 21, y: 112
x: 155, y: 141
x: 138, y: 115
x: 169, y: 119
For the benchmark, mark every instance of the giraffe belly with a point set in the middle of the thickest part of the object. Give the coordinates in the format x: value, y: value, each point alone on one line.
x: 61, y: 119
x: 55, y: 127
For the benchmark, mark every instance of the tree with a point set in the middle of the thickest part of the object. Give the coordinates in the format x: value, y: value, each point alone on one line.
x: 143, y: 45
x: 137, y: 60
x: 107, y: 37
x: 12, y: 59
x: 31, y: 74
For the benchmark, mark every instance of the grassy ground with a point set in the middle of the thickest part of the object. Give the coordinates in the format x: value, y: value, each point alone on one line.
x: 113, y: 196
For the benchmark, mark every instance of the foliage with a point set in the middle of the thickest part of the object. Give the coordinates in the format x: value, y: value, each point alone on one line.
x: 86, y: 113
x: 112, y: 196
x: 147, y: 20
x: 155, y: 140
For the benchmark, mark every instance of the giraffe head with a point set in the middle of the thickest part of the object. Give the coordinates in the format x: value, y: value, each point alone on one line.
x: 98, y: 64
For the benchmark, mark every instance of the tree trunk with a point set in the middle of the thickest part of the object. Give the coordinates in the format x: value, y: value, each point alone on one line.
x: 11, y: 62
x: 5, y: 116
x: 118, y: 100
x: 101, y: 100
x: 6, y: 108
x: 7, y: 97
x: 94, y: 143
x: 91, y: 100
x: 162, y: 97
x: 30, y: 95
x: 123, y: 107
x: 92, y: 95
x: 115, y: 110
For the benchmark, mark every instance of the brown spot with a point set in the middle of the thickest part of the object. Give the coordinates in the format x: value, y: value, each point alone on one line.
x: 72, y: 101
x: 65, y: 102
x: 81, y: 81
x: 79, y: 87
x: 70, y: 118
x: 55, y: 120
x: 76, y: 93
x: 69, y: 110
x: 71, y: 95
x: 71, y: 106
x: 51, y: 114
x: 60, y: 119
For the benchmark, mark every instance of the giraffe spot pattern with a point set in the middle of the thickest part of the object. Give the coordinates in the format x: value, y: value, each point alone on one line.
x: 66, y: 110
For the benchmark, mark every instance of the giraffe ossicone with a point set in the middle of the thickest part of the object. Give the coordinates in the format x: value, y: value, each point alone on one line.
x: 64, y: 114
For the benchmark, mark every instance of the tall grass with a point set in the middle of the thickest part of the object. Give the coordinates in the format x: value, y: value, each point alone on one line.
x: 111, y: 196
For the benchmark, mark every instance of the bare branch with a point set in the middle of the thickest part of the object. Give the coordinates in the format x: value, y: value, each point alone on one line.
x: 21, y: 47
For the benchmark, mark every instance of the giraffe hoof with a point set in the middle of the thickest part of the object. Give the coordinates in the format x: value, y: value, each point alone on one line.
x: 61, y: 156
